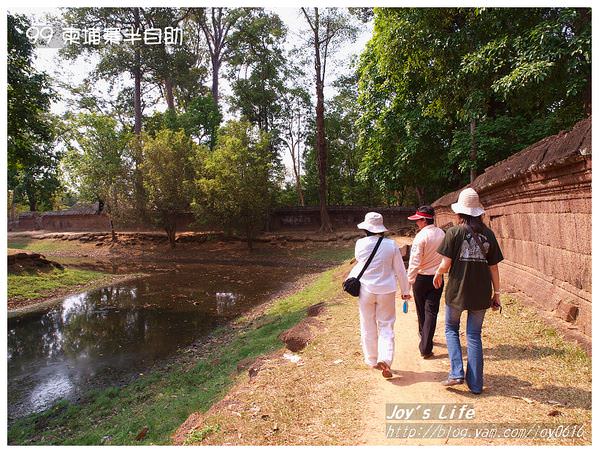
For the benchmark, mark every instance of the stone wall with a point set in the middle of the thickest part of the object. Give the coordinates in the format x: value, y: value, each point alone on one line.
x: 32, y: 221
x: 284, y: 219
x: 538, y: 203
x: 342, y: 217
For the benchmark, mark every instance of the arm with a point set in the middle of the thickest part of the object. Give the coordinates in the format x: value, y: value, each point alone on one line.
x: 496, y: 286
x: 443, y: 269
x: 400, y: 272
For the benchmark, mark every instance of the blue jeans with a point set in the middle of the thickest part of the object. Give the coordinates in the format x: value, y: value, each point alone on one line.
x: 474, y: 348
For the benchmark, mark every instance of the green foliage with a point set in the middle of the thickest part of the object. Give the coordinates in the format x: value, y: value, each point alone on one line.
x: 258, y: 68
x: 171, y: 161
x: 32, y: 158
x: 98, y: 160
x: 237, y: 186
x: 427, y: 73
x: 200, y: 120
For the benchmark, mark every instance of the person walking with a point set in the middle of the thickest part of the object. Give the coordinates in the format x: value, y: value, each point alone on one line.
x: 424, y: 261
x: 378, y: 286
x: 470, y: 253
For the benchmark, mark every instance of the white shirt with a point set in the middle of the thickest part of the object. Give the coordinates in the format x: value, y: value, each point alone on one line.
x: 424, y: 258
x: 386, y: 266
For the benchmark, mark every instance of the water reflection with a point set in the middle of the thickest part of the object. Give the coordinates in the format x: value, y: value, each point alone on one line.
x: 101, y: 337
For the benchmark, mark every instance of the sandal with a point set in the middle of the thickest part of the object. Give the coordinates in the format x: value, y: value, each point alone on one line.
x: 385, y: 369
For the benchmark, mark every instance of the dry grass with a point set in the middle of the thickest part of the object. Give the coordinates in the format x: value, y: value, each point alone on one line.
x: 528, y: 369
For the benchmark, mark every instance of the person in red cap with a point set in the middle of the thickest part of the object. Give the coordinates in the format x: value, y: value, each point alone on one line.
x: 424, y: 261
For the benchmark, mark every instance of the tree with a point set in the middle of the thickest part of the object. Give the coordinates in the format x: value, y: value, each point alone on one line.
x: 446, y: 92
x: 296, y: 108
x: 32, y: 158
x: 239, y: 180
x: 258, y: 69
x: 328, y: 31
x: 171, y: 162
x: 217, y: 25
x: 116, y: 59
x: 200, y: 120
x: 97, y: 162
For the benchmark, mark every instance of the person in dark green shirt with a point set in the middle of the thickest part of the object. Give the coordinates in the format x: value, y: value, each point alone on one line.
x: 470, y: 253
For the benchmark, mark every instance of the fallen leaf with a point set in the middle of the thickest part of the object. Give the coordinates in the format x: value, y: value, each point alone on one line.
x: 338, y: 361
x: 142, y: 434
x: 556, y: 403
x: 554, y: 413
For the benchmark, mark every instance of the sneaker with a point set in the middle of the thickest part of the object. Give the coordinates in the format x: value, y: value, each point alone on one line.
x: 451, y: 381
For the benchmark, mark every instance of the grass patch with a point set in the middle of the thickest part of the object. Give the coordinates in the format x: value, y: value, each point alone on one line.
x: 43, y: 245
x: 36, y: 285
x: 200, y: 434
x: 335, y: 255
x: 163, y: 400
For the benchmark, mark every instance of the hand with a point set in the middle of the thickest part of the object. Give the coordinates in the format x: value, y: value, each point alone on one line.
x: 406, y: 296
x: 496, y: 302
x: 438, y: 281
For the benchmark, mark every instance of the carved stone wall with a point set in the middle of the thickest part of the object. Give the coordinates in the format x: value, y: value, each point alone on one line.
x: 538, y: 203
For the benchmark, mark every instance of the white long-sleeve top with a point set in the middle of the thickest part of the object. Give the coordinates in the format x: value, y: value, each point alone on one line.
x: 385, y: 269
x: 424, y: 258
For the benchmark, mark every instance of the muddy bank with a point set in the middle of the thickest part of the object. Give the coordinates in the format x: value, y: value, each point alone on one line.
x: 20, y: 261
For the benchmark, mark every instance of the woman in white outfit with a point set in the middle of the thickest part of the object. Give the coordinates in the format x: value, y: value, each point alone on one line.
x: 378, y: 285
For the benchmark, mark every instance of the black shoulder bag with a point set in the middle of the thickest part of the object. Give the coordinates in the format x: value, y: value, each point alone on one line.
x: 352, y: 284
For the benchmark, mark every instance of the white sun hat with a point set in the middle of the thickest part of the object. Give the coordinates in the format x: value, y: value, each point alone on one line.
x: 468, y: 203
x: 373, y: 222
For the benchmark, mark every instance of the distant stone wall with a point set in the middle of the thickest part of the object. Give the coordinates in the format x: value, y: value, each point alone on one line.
x: 32, y: 221
x: 284, y: 219
x: 342, y: 218
x: 538, y: 203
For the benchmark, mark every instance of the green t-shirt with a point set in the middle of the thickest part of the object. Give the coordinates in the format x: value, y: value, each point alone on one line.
x: 469, y: 284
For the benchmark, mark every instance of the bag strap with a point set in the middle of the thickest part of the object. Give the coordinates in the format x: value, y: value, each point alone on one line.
x: 370, y: 257
x: 477, y: 239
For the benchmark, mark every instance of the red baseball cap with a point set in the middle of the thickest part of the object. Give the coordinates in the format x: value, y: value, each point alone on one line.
x: 423, y: 212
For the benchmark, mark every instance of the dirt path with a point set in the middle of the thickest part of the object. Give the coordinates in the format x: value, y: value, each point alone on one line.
x: 415, y: 380
x: 528, y: 382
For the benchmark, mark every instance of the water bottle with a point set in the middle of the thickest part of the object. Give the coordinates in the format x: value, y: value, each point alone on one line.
x: 405, y: 306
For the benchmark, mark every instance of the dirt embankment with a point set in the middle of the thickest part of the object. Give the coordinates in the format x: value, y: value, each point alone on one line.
x: 20, y: 261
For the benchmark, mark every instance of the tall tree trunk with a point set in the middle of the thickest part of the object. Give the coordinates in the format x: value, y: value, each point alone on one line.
x: 215, y: 70
x: 137, y: 79
x: 171, y: 231
x: 168, y: 92
x: 473, y: 150
x: 298, y: 185
x: 112, y: 232
x: 30, y: 191
x: 321, y: 144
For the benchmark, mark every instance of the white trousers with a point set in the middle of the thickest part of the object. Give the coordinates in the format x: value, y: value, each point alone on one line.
x: 377, y: 317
